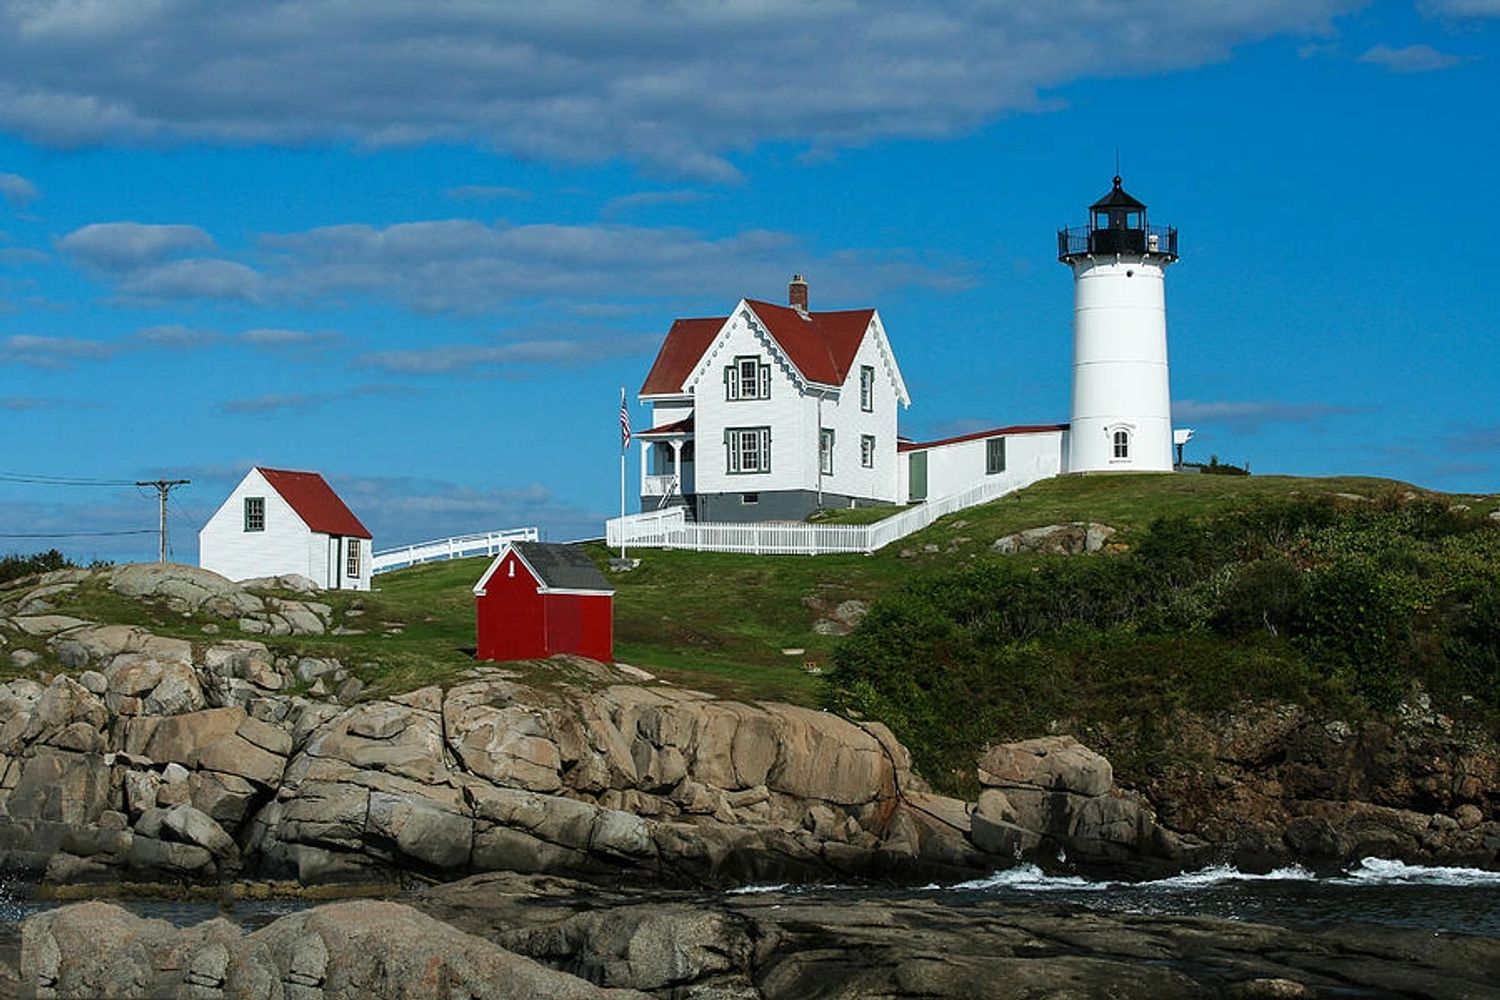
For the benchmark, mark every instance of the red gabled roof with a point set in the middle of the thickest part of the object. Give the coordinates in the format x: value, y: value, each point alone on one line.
x: 685, y: 344
x: 821, y: 344
x: 315, y: 502
x: 996, y: 432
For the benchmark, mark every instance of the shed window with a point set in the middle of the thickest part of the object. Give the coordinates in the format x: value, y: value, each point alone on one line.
x: 255, y: 513
x: 1122, y: 444
x: 994, y: 456
x: 352, y: 569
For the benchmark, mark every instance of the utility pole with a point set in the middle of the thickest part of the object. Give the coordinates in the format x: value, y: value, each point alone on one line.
x: 163, y: 487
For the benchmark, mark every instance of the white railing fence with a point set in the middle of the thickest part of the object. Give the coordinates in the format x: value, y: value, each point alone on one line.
x: 668, y: 528
x: 483, y: 543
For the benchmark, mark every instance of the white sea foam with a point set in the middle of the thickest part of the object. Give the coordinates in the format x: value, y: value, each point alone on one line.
x: 750, y: 890
x: 1030, y: 878
x: 1380, y: 871
x: 1218, y: 874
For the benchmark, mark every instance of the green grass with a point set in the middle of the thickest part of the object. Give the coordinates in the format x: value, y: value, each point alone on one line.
x: 716, y: 621
x: 855, y: 515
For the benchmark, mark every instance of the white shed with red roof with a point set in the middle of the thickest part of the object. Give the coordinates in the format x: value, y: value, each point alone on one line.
x: 278, y: 522
x: 772, y: 412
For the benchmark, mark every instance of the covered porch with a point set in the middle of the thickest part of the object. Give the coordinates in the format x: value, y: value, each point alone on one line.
x: 667, y: 465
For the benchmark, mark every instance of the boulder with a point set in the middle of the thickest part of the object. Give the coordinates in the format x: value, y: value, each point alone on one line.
x: 192, y: 826
x: 183, y: 738
x: 369, y: 949
x: 1052, y: 762
x: 101, y: 644
x: 1072, y: 538
x: 422, y: 830
x: 186, y: 586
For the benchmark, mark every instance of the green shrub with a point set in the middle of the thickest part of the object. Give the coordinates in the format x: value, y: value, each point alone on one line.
x: 13, y: 567
x: 1262, y: 596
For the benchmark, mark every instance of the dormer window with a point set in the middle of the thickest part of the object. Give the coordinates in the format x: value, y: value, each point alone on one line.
x: 747, y: 378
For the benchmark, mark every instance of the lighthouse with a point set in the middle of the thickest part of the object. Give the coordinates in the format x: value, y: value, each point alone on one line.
x: 1122, y: 400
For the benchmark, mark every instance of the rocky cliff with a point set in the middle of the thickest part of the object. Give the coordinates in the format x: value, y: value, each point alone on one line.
x: 150, y: 757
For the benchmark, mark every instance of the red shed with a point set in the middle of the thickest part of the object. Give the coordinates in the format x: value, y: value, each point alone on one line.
x: 539, y: 599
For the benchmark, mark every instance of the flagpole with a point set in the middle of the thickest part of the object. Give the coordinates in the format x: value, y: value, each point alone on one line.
x: 624, y: 449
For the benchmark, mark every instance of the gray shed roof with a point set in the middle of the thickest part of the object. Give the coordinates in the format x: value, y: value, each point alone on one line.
x: 562, y: 567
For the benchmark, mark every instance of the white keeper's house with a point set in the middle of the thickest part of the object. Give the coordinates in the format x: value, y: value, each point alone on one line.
x: 773, y: 412
x: 278, y: 522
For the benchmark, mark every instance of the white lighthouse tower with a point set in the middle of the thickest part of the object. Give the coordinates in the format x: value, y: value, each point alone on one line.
x: 1122, y: 402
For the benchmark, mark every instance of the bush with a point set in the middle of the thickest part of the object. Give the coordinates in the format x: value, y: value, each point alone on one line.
x: 13, y: 567
x: 1299, y: 599
x: 1262, y: 596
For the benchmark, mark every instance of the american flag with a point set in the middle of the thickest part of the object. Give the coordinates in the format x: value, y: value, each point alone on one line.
x: 624, y: 421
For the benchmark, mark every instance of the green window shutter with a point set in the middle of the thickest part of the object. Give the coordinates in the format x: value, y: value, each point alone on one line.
x: 765, y: 381
x: 765, y: 449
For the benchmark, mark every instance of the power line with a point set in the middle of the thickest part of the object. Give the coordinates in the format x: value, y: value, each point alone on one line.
x: 46, y: 480
x: 77, y: 534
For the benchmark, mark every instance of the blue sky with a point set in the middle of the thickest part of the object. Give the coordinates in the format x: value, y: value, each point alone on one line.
x: 420, y: 247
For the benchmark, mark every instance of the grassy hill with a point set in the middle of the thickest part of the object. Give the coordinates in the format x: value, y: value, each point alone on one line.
x: 727, y: 622
x: 728, y: 617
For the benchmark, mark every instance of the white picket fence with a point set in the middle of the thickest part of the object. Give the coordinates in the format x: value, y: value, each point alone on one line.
x: 484, y: 543
x: 669, y: 529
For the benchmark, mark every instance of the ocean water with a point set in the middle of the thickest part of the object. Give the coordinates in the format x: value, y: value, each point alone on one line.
x: 1375, y: 892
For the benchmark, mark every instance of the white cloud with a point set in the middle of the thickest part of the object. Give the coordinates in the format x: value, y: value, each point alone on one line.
x: 20, y: 404
x: 477, y: 358
x: 679, y: 88
x: 51, y: 352
x: 1461, y: 9
x: 278, y: 338
x: 1413, y: 58
x: 484, y: 192
x: 640, y: 199
x: 119, y: 247
x: 1248, y: 415
x: 176, y: 338
x: 195, y: 278
x: 16, y: 190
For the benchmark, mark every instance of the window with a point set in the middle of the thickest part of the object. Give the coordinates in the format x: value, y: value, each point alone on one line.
x: 747, y: 378
x: 749, y: 498
x: 825, y: 451
x: 352, y: 569
x: 866, y: 388
x: 748, y: 450
x: 994, y: 456
x: 867, y: 450
x: 1122, y: 444
x: 255, y: 513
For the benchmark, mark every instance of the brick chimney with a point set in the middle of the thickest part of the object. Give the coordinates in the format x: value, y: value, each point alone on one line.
x: 796, y: 294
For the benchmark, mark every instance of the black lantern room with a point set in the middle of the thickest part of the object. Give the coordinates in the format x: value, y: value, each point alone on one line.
x: 1117, y: 225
